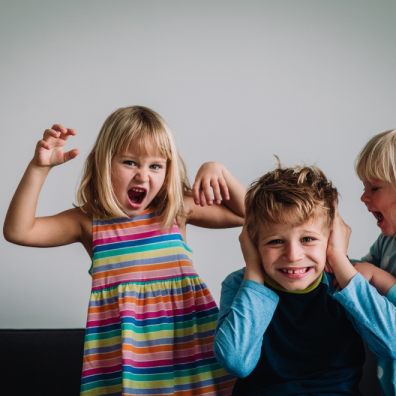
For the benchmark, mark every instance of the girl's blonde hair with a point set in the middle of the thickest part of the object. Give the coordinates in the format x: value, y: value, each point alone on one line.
x: 289, y: 196
x: 377, y: 160
x: 147, y: 132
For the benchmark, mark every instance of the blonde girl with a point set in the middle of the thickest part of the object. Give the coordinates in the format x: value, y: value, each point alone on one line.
x: 151, y: 318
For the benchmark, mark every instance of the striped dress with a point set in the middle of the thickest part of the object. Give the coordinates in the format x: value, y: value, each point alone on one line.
x: 151, y: 319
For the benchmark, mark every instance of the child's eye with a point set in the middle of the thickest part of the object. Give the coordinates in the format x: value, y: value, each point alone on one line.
x: 156, y: 166
x: 275, y: 242
x: 307, y: 239
x: 371, y: 189
x: 129, y: 163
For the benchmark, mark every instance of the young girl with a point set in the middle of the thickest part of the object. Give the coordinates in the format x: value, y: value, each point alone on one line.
x: 376, y: 167
x: 151, y: 319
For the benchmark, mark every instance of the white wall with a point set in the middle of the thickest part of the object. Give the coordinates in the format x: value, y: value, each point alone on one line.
x: 308, y: 80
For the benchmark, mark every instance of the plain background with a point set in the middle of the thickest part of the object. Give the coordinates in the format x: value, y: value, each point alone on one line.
x: 237, y: 81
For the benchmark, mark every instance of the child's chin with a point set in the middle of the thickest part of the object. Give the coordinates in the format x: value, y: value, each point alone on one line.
x: 299, y: 286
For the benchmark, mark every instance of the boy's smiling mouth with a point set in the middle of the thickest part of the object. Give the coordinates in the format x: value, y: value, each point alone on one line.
x: 295, y: 273
x: 295, y: 270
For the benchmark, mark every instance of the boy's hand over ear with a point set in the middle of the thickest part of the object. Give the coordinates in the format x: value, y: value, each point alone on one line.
x: 337, y: 248
x: 254, y: 269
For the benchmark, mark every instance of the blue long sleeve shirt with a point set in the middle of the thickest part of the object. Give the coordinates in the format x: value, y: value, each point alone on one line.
x: 383, y: 254
x: 247, y: 308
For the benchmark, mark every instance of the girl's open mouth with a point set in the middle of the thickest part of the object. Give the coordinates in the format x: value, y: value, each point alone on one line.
x: 136, y: 195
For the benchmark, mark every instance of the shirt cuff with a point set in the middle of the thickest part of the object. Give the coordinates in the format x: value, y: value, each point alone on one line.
x: 391, y: 295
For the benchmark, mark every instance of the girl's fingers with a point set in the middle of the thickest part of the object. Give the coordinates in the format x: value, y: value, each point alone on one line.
x: 59, y: 131
x: 196, y: 191
x: 42, y: 144
x: 70, y: 155
x: 59, y: 128
x: 202, y: 199
x: 50, y: 133
x: 224, y: 189
x: 217, y: 193
x: 208, y: 190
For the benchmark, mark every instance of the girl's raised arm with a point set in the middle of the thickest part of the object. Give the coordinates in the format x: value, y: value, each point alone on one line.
x: 21, y: 226
x: 218, y: 199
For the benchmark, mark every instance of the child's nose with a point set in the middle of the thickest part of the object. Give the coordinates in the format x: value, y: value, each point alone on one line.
x: 294, y: 252
x: 364, y: 197
x: 142, y: 174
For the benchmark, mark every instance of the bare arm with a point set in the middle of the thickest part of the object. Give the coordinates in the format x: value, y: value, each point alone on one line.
x: 379, y: 278
x: 217, y: 200
x: 21, y: 226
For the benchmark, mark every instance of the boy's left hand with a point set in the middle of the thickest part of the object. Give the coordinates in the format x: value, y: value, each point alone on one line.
x: 210, y: 184
x: 337, y: 245
x: 337, y: 249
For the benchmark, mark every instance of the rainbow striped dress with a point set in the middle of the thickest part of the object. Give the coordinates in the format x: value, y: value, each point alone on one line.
x: 151, y: 319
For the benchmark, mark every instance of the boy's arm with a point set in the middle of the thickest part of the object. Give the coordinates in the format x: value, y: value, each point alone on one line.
x: 217, y: 199
x: 373, y: 315
x: 246, y: 309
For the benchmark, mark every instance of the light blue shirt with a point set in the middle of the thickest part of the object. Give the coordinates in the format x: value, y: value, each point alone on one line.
x: 242, y: 300
x: 383, y: 254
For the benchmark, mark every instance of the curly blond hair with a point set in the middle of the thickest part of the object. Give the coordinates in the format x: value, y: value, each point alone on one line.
x: 377, y: 159
x: 291, y: 196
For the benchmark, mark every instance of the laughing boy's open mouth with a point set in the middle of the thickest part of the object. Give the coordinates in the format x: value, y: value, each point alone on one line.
x: 378, y: 216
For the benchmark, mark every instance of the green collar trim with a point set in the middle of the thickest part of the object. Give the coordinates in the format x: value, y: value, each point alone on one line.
x: 276, y: 286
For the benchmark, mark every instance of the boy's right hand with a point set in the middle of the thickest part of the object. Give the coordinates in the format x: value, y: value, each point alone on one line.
x: 254, y: 269
x: 50, y: 149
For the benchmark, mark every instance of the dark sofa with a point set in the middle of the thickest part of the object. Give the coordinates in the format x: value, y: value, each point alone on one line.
x: 41, y: 362
x: 48, y: 363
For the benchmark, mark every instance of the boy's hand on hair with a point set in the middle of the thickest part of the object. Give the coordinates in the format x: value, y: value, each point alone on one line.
x: 50, y: 149
x: 254, y: 269
x: 210, y: 185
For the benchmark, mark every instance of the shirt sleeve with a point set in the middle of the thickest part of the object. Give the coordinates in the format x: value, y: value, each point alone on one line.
x: 246, y: 309
x: 374, y: 255
x: 391, y: 295
x: 373, y: 315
